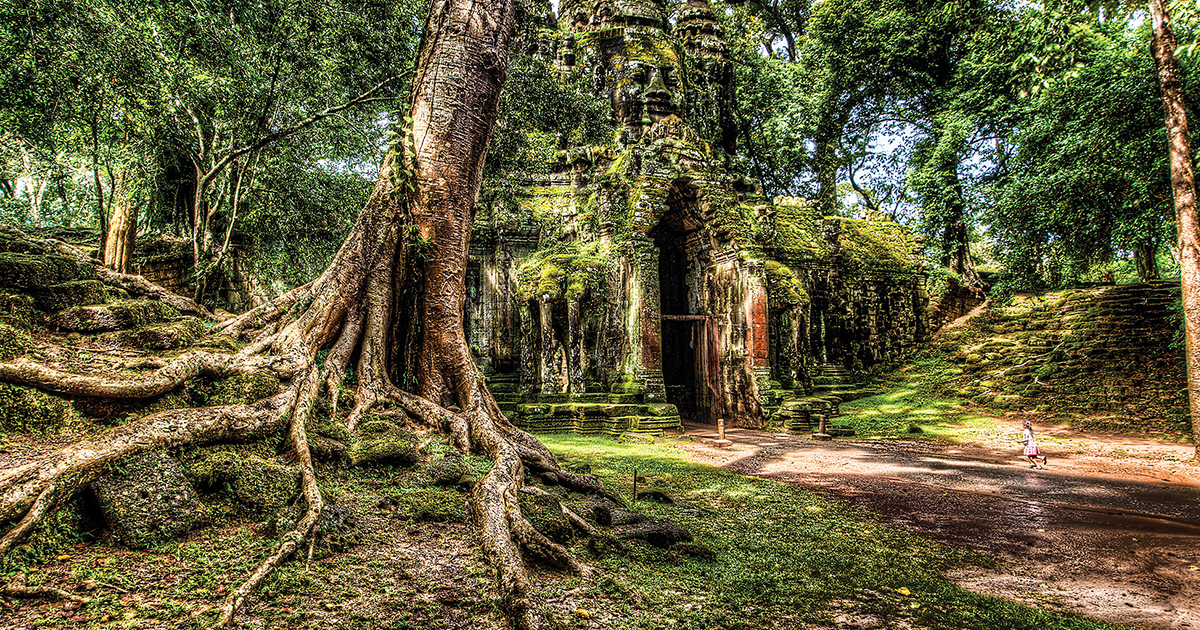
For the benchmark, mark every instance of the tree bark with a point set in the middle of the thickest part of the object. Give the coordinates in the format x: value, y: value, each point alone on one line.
x: 1183, y: 185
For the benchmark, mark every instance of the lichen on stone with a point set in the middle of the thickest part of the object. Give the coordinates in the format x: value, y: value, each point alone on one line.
x: 17, y: 310
x: 568, y: 271
x: 147, y: 499
x: 253, y: 481
x: 379, y: 441
x: 164, y: 336
x: 32, y: 271
x: 74, y: 293
x: 435, y: 506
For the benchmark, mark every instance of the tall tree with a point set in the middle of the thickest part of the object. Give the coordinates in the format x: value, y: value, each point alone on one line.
x: 392, y: 297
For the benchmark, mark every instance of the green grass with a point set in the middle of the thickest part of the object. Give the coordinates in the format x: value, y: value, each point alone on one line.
x: 919, y: 398
x: 785, y: 556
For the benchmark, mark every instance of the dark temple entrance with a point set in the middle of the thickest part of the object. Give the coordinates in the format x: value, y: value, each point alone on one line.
x: 688, y: 336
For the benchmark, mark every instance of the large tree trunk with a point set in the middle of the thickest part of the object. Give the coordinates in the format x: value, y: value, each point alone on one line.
x: 122, y: 229
x: 1183, y: 185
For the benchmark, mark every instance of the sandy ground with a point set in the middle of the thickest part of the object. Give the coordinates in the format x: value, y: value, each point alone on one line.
x: 1110, y: 529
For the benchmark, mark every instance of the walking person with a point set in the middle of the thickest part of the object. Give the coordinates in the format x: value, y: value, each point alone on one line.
x: 1031, y: 447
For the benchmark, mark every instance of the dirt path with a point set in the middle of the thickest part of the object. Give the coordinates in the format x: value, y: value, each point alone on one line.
x: 1110, y: 530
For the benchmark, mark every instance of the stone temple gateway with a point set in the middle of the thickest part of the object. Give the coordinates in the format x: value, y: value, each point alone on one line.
x: 646, y: 281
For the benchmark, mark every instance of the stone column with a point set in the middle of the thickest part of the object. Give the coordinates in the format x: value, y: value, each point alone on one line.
x: 648, y: 312
x: 550, y: 383
x: 528, y: 345
x: 574, y: 348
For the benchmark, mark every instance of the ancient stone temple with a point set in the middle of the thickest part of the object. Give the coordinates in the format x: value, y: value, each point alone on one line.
x: 647, y: 280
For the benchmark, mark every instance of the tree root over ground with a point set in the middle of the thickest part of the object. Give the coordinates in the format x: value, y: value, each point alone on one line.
x: 285, y: 342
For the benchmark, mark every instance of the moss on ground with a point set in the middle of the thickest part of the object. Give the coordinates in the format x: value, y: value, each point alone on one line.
x: 379, y: 441
x: 782, y: 557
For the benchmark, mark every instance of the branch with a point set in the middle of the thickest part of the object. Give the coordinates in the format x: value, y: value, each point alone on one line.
x: 365, y: 97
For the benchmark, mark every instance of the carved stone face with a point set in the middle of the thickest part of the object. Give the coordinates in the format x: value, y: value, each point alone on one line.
x: 645, y: 91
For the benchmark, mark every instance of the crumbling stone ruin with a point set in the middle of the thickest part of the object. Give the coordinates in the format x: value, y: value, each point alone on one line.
x: 647, y: 280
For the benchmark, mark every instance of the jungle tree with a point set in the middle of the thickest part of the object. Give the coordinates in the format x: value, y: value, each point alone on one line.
x: 399, y: 313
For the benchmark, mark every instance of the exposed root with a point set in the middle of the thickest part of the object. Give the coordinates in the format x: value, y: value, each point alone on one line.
x: 137, y: 285
x: 161, y: 381
x: 29, y: 492
x: 306, y: 528
x: 17, y: 588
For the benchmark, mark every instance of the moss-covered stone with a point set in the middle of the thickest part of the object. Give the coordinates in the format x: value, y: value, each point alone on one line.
x: 147, y: 499
x: 544, y: 512
x: 17, y: 310
x: 436, y: 506
x: 74, y: 293
x: 13, y: 342
x: 27, y: 410
x: 32, y: 271
x: 384, y: 442
x: 253, y: 482
x: 243, y: 389
x: 122, y: 315
x: 218, y: 343
x: 164, y: 336
x: 448, y: 470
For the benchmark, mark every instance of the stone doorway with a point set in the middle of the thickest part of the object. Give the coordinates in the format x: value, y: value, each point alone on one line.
x: 689, y: 335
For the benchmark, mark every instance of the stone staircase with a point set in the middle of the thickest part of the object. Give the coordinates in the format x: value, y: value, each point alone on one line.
x: 1104, y: 352
x: 591, y: 413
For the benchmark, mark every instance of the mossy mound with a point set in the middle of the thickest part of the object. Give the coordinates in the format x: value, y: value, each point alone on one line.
x: 337, y: 528
x: 17, y: 310
x: 74, y: 293
x: 13, y: 342
x: 28, y: 410
x: 147, y: 500
x: 123, y: 315
x: 253, y: 482
x: 434, y: 506
x: 164, y: 336
x: 244, y: 389
x: 544, y: 512
x: 379, y: 441
x: 32, y: 271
